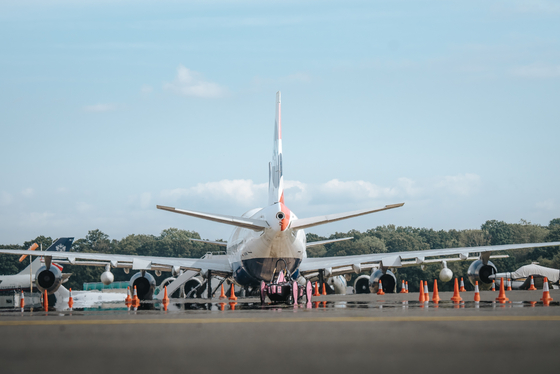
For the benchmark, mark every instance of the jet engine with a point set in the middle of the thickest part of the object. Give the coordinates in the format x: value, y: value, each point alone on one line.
x: 370, y: 283
x: 194, y: 287
x: 388, y: 280
x: 107, y: 277
x: 480, y: 272
x: 446, y: 274
x: 48, y: 279
x: 361, y: 284
x: 338, y: 283
x: 145, y: 285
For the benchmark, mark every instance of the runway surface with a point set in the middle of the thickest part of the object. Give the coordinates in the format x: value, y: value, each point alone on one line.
x: 343, y: 334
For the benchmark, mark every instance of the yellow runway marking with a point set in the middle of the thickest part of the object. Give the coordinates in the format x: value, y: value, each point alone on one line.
x: 188, y: 321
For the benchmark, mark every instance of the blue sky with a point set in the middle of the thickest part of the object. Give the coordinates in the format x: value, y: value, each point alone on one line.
x: 109, y: 108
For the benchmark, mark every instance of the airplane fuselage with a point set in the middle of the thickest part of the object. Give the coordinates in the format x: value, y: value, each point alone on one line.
x: 254, y: 255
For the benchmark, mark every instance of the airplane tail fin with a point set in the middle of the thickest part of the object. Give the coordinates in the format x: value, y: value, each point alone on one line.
x: 275, y: 177
x: 59, y: 245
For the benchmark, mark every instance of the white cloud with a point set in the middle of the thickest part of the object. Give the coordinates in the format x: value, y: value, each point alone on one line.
x: 145, y: 200
x: 191, y: 83
x: 83, y: 207
x: 100, y: 108
x: 5, y: 198
x: 239, y: 192
x: 146, y: 89
x: 549, y: 204
x: 461, y: 184
x: 354, y: 190
x: 28, y: 192
x: 536, y: 70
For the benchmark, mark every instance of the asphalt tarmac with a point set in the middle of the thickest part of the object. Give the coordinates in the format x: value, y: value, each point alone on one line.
x: 338, y: 334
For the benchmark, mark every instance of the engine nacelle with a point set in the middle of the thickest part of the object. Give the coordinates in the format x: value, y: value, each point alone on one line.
x: 194, y: 287
x: 361, y: 284
x: 49, y: 280
x: 107, y: 277
x: 480, y: 272
x: 388, y: 280
x: 145, y: 285
x: 338, y: 283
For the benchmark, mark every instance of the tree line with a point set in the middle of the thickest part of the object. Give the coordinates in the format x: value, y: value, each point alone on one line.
x: 174, y: 242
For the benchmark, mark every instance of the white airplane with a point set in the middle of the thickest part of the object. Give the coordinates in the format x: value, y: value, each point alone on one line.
x: 35, y: 271
x: 266, y: 252
x: 88, y: 299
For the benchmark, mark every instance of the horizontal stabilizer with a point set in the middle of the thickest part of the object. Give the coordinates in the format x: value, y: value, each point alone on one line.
x: 223, y: 244
x: 321, y: 242
x: 321, y: 220
x: 248, y: 223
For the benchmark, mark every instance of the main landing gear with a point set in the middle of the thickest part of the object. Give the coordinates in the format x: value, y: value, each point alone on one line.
x: 282, y: 290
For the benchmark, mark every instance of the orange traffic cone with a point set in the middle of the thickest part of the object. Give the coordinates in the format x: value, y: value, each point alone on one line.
x: 435, y: 294
x: 403, y: 287
x: 532, y: 287
x: 509, y: 284
x: 380, y: 289
x: 222, y: 294
x: 135, y: 299
x: 476, y: 292
x: 22, y: 301
x: 165, y: 300
x: 426, y: 294
x: 502, y: 296
x: 232, y: 294
x: 324, y: 290
x: 70, y: 300
x: 316, y: 293
x: 46, y: 302
x: 546, y: 293
x: 462, y: 286
x: 128, y: 299
x: 406, y: 284
x: 456, y: 297
x: 421, y: 297
x: 493, y: 285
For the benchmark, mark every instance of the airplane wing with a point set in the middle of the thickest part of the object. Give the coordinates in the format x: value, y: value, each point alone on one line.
x: 348, y: 264
x: 218, y: 264
x: 321, y: 242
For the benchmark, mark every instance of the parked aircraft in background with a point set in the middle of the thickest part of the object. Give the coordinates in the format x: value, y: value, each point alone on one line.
x: 266, y: 253
x: 36, y: 272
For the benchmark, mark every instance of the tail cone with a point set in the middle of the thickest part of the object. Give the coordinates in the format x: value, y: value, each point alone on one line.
x: 509, y: 284
x: 324, y: 291
x: 421, y: 297
x: 493, y: 285
x: 456, y: 297
x: 135, y: 299
x: 462, y: 286
x: 502, y: 296
x: 128, y: 300
x: 406, y: 284
x: 222, y: 294
x: 426, y: 294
